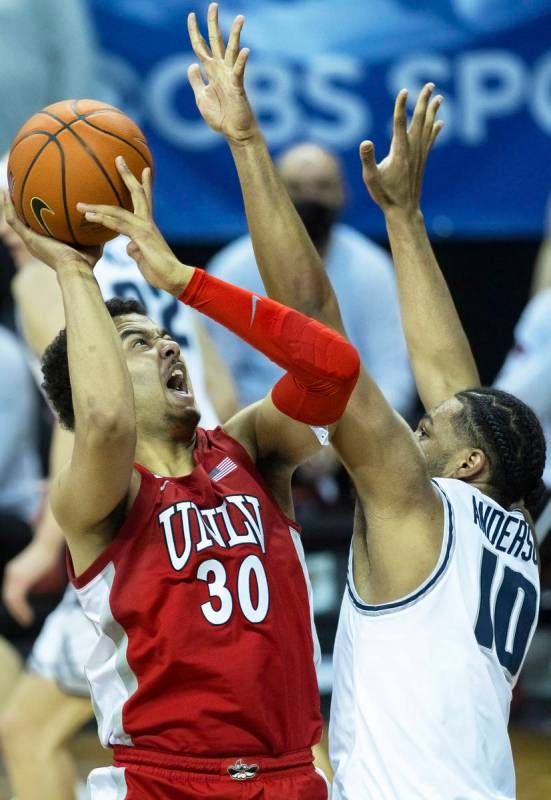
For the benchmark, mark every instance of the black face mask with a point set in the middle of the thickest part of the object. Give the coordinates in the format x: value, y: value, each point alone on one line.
x: 317, y: 219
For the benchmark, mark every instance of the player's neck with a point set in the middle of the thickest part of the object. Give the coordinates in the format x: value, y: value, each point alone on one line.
x: 168, y: 458
x: 488, y: 489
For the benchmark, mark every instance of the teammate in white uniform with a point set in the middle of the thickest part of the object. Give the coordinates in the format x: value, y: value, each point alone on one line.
x: 51, y: 701
x: 443, y: 582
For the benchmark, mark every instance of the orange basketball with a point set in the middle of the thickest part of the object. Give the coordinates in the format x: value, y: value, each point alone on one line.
x: 65, y: 155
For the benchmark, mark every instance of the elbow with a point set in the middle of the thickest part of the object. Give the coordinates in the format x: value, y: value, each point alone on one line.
x: 108, y: 424
x: 347, y: 365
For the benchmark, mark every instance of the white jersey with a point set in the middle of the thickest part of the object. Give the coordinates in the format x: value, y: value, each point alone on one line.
x: 422, y: 685
x: 118, y: 276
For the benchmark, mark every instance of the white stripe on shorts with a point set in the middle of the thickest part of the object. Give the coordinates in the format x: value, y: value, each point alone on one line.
x: 324, y: 776
x: 106, y: 783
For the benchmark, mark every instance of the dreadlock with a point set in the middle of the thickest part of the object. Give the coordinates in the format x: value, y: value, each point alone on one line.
x: 55, y: 364
x: 510, y: 435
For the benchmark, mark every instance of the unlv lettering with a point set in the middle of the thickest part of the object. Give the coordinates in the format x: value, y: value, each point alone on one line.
x: 186, y: 527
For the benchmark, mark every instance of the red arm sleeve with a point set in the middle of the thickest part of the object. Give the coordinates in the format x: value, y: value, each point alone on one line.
x: 322, y: 367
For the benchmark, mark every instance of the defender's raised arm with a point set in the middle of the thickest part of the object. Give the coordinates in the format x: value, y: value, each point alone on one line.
x: 440, y: 353
x: 290, y: 266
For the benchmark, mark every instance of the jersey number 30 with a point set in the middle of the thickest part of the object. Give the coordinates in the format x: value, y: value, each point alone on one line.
x: 511, y: 619
x: 214, y: 574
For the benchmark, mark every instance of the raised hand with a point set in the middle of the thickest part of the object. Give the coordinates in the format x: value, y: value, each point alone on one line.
x: 52, y: 252
x: 396, y: 182
x: 222, y: 101
x: 147, y: 247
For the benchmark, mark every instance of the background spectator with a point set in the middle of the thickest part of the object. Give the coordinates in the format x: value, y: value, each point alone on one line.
x: 47, y: 55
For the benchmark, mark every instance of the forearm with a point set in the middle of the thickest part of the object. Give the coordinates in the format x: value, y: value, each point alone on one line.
x: 41, y: 320
x: 322, y: 366
x: 439, y: 350
x: 289, y: 264
x: 100, y: 383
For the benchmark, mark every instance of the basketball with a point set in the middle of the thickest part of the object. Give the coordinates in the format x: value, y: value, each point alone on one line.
x: 65, y: 154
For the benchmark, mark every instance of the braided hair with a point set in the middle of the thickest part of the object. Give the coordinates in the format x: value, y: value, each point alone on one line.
x: 55, y: 364
x: 510, y: 435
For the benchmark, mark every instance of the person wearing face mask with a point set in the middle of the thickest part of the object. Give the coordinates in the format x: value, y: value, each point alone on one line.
x: 360, y: 271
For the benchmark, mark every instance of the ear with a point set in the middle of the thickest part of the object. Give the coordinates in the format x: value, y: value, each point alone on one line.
x: 470, y: 464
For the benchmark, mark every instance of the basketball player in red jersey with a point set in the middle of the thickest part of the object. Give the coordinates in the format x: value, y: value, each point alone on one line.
x: 182, y: 548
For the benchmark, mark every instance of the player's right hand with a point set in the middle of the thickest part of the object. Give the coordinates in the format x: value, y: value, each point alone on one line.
x: 46, y: 249
x: 21, y: 574
x: 222, y: 101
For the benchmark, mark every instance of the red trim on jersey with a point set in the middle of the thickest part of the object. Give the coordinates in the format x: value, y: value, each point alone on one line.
x: 322, y: 367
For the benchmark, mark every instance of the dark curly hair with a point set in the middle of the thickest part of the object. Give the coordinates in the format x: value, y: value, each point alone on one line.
x: 55, y: 364
x: 510, y: 435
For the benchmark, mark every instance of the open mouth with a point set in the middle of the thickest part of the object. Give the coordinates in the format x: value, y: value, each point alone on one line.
x: 176, y: 380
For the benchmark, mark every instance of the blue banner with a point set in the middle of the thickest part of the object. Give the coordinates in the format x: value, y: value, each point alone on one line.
x: 328, y: 71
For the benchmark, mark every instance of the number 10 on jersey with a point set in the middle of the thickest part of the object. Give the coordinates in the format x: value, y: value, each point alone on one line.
x: 509, y: 620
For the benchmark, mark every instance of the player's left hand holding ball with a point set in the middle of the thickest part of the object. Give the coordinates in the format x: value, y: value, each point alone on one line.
x: 147, y: 247
x: 53, y: 253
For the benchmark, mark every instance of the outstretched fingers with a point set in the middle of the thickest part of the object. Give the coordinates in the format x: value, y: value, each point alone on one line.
x: 137, y: 192
x: 112, y: 217
x: 234, y: 41
x: 147, y: 187
x: 369, y: 164
x: 436, y: 128
x: 195, y: 79
x: 239, y: 66
x: 217, y: 46
x: 432, y: 111
x: 399, y: 123
x: 420, y: 112
x: 198, y: 44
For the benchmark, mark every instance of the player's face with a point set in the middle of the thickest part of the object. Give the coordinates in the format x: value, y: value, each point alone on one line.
x: 439, y: 440
x: 161, y: 383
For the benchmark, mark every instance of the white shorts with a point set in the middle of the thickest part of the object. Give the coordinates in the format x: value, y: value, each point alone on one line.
x: 64, y: 646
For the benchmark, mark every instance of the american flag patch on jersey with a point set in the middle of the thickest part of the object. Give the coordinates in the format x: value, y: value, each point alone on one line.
x: 222, y: 469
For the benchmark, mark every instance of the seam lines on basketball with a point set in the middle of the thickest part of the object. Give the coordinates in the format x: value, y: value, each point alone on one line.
x: 64, y: 193
x: 116, y: 136
x: 25, y: 179
x: 90, y: 152
x: 65, y: 124
x: 27, y: 136
x: 84, y: 118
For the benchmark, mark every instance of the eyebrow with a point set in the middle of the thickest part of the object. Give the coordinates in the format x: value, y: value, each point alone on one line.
x: 126, y: 332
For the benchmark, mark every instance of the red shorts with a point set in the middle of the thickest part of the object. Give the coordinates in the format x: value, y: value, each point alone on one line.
x: 139, y: 774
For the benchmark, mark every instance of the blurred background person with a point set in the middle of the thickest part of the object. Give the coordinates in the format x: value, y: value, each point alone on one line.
x: 48, y: 51
x: 20, y: 473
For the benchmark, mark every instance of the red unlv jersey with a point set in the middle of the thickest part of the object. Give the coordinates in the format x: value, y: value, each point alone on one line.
x: 202, y: 609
